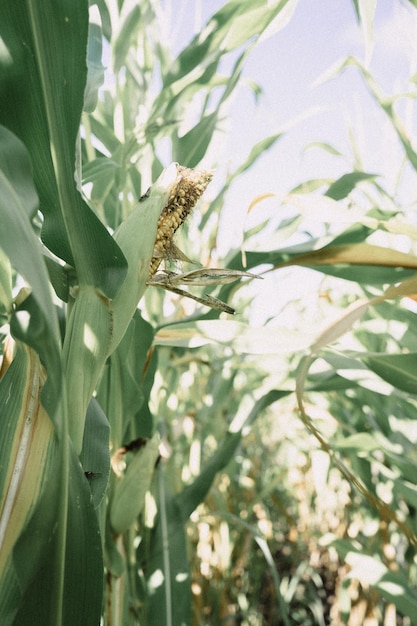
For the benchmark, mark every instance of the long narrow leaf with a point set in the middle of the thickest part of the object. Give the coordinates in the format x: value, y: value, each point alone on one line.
x: 81, y: 565
x: 168, y: 575
x: 48, y: 124
x: 18, y: 200
x: 31, y: 462
x: 195, y: 493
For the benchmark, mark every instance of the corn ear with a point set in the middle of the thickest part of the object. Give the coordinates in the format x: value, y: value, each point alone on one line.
x: 136, y: 238
x: 145, y: 237
x: 96, y: 324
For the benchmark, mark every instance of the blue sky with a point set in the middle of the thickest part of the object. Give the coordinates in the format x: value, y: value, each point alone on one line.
x: 320, y: 33
x: 287, y: 66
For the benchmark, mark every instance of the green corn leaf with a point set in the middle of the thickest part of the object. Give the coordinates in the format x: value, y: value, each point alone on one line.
x: 192, y: 495
x: 235, y: 24
x: 95, y: 453
x: 103, y: 174
x: 81, y: 565
x: 127, y: 31
x: 366, y: 274
x: 16, y: 169
x: 48, y: 124
x: 400, y: 370
x: 136, y: 237
x: 355, y: 233
x: 322, y: 145
x: 257, y: 151
x: 130, y: 491
x: 28, y: 324
x: 244, y: 339
x: 407, y: 490
x: 31, y: 467
x: 6, y: 296
x: 393, y: 586
x: 366, y: 10
x: 360, y: 443
x: 125, y: 388
x: 17, y: 202
x: 168, y: 573
x: 59, y: 277
x: 195, y: 493
x: 346, y: 183
x: 374, y: 264
x: 95, y: 67
x: 191, y: 148
x: 330, y: 381
x: 384, y: 102
x: 85, y: 349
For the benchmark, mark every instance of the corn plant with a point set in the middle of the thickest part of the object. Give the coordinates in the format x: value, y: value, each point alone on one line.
x: 128, y: 494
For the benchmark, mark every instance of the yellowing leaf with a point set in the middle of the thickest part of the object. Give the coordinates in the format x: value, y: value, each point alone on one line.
x: 355, y: 254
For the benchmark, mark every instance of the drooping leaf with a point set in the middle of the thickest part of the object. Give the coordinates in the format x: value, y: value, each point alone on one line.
x: 359, y: 254
x: 18, y: 200
x: 363, y: 263
x: 337, y: 328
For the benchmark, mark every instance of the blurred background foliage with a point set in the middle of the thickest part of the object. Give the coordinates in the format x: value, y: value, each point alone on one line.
x: 285, y: 453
